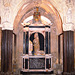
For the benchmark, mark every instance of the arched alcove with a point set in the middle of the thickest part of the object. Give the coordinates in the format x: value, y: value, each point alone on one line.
x: 56, y: 47
x: 48, y: 11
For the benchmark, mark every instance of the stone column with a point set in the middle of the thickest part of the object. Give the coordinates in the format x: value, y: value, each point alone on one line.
x: 48, y: 43
x: 59, y: 49
x: 47, y: 40
x: 26, y: 40
x: 7, y: 37
x: 68, y: 45
x: 6, y: 51
x: 68, y: 52
x: 24, y: 44
x: 68, y: 40
x: 6, y: 47
x: 0, y: 46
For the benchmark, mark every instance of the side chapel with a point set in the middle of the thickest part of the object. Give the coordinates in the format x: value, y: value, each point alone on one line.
x: 37, y: 36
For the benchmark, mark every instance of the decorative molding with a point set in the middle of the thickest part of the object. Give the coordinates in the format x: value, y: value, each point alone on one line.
x: 0, y: 25
x: 6, y: 23
x: 69, y: 15
x: 6, y: 3
x: 7, y: 14
x: 69, y: 3
x: 7, y: 28
x: 37, y: 2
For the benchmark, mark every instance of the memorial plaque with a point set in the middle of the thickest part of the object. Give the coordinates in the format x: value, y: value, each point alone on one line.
x: 37, y: 63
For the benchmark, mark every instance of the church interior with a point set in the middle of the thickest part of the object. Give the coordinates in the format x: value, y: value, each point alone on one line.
x: 37, y: 37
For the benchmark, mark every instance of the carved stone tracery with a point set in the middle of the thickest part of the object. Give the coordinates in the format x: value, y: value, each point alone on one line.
x: 6, y: 3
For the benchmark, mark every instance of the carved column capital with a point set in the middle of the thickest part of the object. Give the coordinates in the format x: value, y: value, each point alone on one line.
x: 7, y: 26
x: 0, y: 26
x: 68, y: 27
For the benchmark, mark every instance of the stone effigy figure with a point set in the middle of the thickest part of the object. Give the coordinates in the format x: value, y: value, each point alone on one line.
x: 36, y: 44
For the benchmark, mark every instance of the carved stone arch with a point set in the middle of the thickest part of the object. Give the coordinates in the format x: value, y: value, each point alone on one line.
x: 51, y: 11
